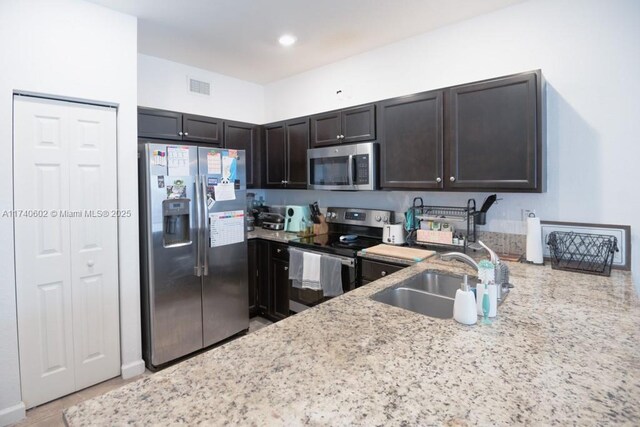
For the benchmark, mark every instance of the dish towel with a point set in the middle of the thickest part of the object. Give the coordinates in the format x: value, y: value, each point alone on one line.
x: 311, y: 271
x: 331, y: 276
x: 295, y: 267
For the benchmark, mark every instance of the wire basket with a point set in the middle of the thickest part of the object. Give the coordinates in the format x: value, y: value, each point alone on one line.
x: 581, y: 252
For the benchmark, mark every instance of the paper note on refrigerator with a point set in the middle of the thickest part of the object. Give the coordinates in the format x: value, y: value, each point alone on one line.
x: 214, y: 163
x: 226, y: 228
x: 178, y: 161
x: 222, y: 192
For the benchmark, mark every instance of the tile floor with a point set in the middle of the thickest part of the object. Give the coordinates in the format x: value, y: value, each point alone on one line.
x: 50, y: 414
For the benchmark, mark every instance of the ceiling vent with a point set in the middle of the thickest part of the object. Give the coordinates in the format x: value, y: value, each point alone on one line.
x: 199, y: 87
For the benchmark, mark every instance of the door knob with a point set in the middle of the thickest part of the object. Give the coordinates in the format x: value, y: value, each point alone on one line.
x: 383, y: 273
x: 186, y: 134
x: 452, y: 179
x: 90, y: 263
x: 180, y: 133
x: 438, y: 179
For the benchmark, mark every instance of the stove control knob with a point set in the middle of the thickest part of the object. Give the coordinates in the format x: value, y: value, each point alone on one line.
x: 378, y: 218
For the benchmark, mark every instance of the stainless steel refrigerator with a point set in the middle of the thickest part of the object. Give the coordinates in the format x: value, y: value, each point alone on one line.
x: 194, y: 287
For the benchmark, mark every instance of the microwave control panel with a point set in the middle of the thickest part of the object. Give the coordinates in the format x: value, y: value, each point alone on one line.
x: 362, y: 169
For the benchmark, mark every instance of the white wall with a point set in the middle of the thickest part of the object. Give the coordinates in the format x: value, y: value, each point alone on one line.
x: 589, y: 52
x: 163, y: 84
x: 74, y: 49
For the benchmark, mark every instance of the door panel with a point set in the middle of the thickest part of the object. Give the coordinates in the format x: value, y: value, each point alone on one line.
x: 202, y: 129
x: 359, y: 124
x: 243, y: 136
x: 325, y: 129
x: 276, y: 161
x: 225, y: 292
x: 297, y: 145
x: 42, y: 250
x: 94, y: 244
x: 493, y: 141
x: 411, y: 141
x: 174, y: 291
x: 159, y: 124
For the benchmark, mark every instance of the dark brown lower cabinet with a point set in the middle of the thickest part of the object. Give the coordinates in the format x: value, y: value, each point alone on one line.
x: 252, y: 248
x: 270, y: 269
x: 370, y: 271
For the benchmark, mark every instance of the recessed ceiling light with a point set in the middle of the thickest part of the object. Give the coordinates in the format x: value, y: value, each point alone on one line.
x: 287, y: 40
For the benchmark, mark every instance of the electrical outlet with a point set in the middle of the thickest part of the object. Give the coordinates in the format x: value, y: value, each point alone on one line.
x: 526, y: 212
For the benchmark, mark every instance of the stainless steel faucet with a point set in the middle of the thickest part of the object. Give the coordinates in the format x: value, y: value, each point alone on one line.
x: 501, y: 269
x: 460, y: 257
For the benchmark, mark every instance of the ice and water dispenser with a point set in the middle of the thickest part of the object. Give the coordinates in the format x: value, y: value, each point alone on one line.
x: 175, y: 222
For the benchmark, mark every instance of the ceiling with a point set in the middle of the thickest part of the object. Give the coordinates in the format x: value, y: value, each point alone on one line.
x: 239, y: 38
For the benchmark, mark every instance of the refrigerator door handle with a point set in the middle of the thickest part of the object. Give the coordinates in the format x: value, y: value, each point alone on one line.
x: 205, y: 222
x: 197, y: 270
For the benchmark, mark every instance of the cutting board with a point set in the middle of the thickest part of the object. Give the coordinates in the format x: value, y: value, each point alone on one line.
x: 400, y: 252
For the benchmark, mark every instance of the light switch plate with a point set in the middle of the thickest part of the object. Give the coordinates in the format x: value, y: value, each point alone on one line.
x: 621, y: 259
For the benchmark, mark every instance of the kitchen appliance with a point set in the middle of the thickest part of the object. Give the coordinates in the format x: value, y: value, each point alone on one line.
x: 343, y: 167
x: 350, y: 231
x: 393, y: 234
x: 296, y: 218
x: 272, y: 221
x: 194, y: 285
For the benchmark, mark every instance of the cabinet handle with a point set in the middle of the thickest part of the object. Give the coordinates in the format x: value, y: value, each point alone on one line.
x: 278, y: 250
x: 180, y: 133
x: 341, y: 136
x: 452, y: 179
x: 337, y: 136
x: 283, y: 182
x: 383, y: 273
x: 286, y: 268
x: 438, y: 179
x: 186, y: 134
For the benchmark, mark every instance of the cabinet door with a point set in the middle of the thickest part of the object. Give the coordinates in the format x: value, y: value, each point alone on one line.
x: 252, y: 261
x: 298, y: 143
x: 359, y: 124
x: 202, y: 129
x: 263, y: 292
x: 243, y: 136
x: 159, y: 124
x: 325, y: 129
x: 280, y: 287
x: 411, y: 141
x: 275, y: 155
x: 493, y: 135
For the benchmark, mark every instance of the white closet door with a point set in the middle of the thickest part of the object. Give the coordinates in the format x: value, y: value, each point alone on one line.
x: 67, y: 309
x: 94, y: 243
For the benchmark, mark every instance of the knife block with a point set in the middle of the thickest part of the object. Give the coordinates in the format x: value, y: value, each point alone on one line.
x: 322, y: 228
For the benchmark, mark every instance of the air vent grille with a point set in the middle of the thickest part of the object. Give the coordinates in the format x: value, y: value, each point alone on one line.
x: 198, y: 86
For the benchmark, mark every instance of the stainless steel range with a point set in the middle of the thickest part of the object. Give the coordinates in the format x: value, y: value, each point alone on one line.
x: 350, y: 231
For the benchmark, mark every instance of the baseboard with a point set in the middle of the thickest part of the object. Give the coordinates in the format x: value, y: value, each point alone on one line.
x: 12, y: 414
x: 133, y: 369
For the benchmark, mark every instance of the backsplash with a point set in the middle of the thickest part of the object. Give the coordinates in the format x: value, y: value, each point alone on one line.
x: 504, y: 232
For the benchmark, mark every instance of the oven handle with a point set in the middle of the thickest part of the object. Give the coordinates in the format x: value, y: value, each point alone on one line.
x: 350, y: 171
x: 349, y: 262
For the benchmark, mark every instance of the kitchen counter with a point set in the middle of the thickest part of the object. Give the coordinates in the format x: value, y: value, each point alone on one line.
x: 275, y: 236
x: 565, y: 349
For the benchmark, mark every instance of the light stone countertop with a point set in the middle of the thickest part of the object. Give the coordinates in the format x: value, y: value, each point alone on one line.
x: 276, y: 236
x: 565, y: 349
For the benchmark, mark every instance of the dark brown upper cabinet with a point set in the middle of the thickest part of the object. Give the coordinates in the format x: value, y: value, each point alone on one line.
x: 244, y: 136
x: 495, y: 135
x: 343, y: 126
x: 202, y: 129
x: 285, y: 153
x: 411, y: 141
x: 163, y: 124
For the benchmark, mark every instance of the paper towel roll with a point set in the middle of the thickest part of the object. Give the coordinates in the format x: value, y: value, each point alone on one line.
x: 534, y: 240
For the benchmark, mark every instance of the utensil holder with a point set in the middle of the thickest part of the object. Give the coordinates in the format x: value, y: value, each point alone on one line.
x: 322, y: 228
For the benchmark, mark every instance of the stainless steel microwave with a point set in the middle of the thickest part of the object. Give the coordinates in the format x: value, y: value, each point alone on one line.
x: 343, y: 167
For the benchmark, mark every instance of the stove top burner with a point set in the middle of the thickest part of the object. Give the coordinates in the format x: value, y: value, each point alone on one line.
x: 332, y: 243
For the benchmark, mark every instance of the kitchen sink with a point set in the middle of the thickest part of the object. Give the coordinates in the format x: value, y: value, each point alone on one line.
x: 430, y: 293
x: 438, y: 283
x: 417, y: 301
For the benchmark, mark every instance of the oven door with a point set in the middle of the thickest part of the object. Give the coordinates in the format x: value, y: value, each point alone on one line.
x: 302, y: 299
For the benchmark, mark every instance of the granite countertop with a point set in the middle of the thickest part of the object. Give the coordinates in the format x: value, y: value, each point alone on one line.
x: 276, y: 236
x: 565, y: 349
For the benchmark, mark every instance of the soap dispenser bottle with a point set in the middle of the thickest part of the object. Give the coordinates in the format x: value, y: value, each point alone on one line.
x: 464, y: 305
